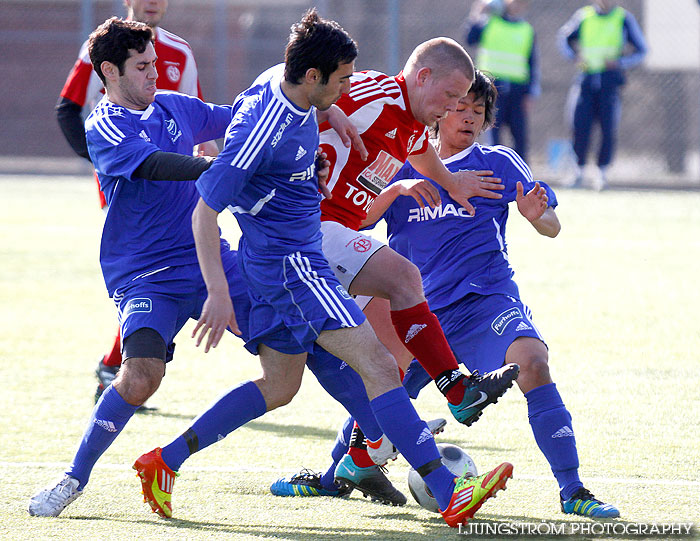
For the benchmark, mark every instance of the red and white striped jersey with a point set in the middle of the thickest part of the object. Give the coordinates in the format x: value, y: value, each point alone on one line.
x: 378, y: 106
x: 176, y: 68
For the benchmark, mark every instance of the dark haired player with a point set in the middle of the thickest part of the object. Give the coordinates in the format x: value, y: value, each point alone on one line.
x: 266, y: 176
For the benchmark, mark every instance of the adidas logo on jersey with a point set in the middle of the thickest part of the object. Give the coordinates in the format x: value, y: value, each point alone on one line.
x: 391, y: 134
x: 424, y: 436
x: 107, y: 425
x: 522, y: 326
x: 300, y: 153
x: 413, y: 331
x: 145, y: 137
x: 563, y: 432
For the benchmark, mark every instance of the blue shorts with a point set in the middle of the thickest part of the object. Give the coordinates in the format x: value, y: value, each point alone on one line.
x: 294, y: 298
x: 166, y: 299
x: 481, y: 328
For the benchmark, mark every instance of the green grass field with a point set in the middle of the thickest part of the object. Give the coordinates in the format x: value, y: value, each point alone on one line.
x: 615, y: 295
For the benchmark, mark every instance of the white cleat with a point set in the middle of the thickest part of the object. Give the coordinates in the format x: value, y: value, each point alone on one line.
x: 382, y: 451
x: 53, y: 499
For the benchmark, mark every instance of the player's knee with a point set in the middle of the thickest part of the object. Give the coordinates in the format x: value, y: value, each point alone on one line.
x: 535, y: 368
x: 406, y: 283
x: 139, y: 379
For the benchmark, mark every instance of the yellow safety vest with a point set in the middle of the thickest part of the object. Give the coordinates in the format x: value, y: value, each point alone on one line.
x: 505, y: 49
x: 600, y: 37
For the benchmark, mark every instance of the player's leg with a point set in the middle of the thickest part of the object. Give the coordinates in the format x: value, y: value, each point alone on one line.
x: 278, y: 384
x: 367, y: 267
x: 459, y: 500
x: 582, y: 124
x: 138, y: 379
x: 610, y: 108
x: 552, y: 427
x: 148, y: 329
x: 518, y: 123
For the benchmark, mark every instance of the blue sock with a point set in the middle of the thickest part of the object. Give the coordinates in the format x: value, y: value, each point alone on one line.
x: 345, y: 385
x: 415, y: 379
x: 410, y: 435
x: 339, y: 449
x: 109, y: 417
x: 554, y: 434
x: 234, y: 409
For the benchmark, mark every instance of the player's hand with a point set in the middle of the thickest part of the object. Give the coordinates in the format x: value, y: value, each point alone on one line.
x: 421, y: 190
x: 217, y: 314
x: 209, y: 148
x: 532, y: 205
x: 347, y: 131
x: 323, y: 169
x: 474, y: 184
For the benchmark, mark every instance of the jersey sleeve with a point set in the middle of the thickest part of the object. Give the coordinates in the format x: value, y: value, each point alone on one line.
x: 207, y: 120
x: 76, y: 85
x: 115, y: 147
x: 420, y: 145
x: 242, y: 156
x: 511, y: 169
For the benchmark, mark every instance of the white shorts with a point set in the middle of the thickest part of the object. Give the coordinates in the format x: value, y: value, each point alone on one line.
x: 347, y: 251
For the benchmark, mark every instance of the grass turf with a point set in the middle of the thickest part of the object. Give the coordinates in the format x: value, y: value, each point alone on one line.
x: 614, y: 295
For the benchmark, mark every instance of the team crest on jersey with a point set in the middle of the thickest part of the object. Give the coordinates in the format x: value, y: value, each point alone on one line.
x: 377, y: 175
x: 410, y: 142
x: 502, y: 320
x: 173, y: 130
x: 172, y: 72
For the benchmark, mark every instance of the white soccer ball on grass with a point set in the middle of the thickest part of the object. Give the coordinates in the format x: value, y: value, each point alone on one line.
x: 455, y: 459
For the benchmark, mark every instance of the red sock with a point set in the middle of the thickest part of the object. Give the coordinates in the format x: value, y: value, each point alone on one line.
x: 358, y: 449
x: 422, y: 335
x: 114, y: 357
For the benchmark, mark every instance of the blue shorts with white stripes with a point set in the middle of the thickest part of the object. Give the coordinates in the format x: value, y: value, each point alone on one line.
x: 481, y: 328
x: 166, y: 299
x: 294, y: 298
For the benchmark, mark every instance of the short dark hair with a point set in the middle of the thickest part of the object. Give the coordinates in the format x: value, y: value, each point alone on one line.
x: 112, y: 40
x: 484, y: 88
x: 316, y: 43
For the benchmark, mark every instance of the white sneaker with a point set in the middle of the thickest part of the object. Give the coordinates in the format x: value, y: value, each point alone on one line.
x: 54, y: 499
x: 383, y: 451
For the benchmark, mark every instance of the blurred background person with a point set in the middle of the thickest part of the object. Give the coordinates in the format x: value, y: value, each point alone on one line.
x: 595, y: 37
x: 177, y: 70
x: 507, y: 50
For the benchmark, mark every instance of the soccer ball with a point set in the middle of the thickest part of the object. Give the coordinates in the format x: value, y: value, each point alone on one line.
x: 455, y: 459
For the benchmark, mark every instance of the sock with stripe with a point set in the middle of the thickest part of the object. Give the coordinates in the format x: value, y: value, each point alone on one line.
x: 234, y: 409
x: 554, y: 434
x: 411, y: 436
x: 421, y: 333
x: 108, y: 419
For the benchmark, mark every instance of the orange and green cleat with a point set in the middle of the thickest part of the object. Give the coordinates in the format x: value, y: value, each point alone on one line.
x: 156, y: 482
x: 470, y: 493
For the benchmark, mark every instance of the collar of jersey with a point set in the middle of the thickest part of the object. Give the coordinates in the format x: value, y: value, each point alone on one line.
x: 276, y: 85
x: 147, y: 112
x: 461, y: 154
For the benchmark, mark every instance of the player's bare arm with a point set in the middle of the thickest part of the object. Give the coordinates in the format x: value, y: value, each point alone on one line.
x: 534, y: 206
x: 420, y: 189
x: 342, y: 125
x: 461, y: 185
x: 217, y: 313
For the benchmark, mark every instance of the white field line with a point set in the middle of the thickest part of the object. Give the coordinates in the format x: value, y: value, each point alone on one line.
x: 252, y: 469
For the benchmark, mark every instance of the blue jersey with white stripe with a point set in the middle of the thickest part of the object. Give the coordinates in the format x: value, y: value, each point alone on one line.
x: 266, y: 173
x: 458, y: 254
x: 148, y: 224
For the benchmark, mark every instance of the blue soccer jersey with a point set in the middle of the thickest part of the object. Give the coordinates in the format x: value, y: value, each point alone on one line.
x: 458, y: 254
x: 266, y: 174
x: 148, y: 224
